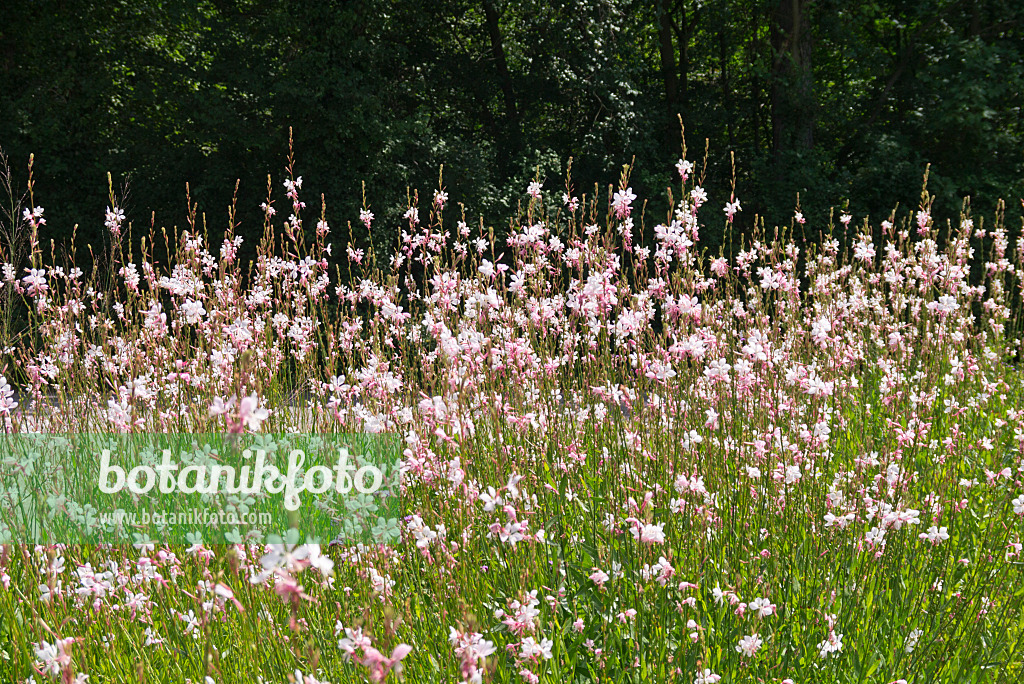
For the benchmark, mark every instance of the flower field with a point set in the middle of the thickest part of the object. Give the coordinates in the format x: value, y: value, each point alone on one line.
x: 625, y: 459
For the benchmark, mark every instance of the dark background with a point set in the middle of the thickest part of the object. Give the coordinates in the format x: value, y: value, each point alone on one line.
x: 841, y: 101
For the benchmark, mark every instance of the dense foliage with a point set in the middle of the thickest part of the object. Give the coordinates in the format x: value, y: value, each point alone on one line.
x: 850, y: 100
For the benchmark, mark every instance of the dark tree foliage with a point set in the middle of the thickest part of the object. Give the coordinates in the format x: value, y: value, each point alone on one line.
x: 837, y: 101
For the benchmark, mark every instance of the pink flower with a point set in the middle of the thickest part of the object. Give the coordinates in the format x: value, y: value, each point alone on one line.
x: 54, y: 659
x: 7, y: 403
x: 730, y: 209
x: 379, y: 665
x: 472, y: 649
x: 685, y: 168
x: 225, y: 593
x: 923, y: 217
x: 621, y: 202
x: 34, y: 217
x: 249, y: 413
x: 698, y: 196
x: 353, y: 639
x: 366, y: 217
x: 113, y: 221
x: 648, y: 534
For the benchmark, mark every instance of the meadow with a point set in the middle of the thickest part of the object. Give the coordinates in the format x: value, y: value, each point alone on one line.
x: 626, y: 459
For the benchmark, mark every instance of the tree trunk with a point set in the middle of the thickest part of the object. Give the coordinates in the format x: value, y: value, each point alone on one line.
x: 792, y: 83
x: 498, y: 52
x: 726, y: 92
x: 509, y: 142
x: 684, y: 52
x: 668, y: 56
x: 753, y: 47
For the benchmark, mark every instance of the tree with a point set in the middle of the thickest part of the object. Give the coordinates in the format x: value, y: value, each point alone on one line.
x: 792, y: 84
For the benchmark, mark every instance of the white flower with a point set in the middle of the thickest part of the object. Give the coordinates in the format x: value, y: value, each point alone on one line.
x: 529, y: 648
x: 833, y: 645
x: 621, y: 202
x: 749, y: 644
x: 947, y: 304
x: 649, y: 534
x: 762, y: 607
x: 1018, y: 505
x: 935, y: 534
x: 874, y: 536
x: 911, y: 643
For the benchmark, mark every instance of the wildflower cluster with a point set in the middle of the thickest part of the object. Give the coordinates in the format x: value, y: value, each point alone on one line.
x: 624, y: 459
